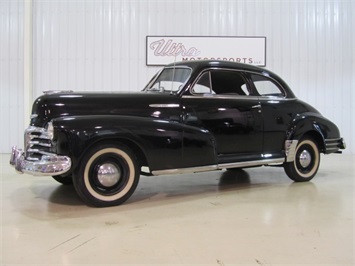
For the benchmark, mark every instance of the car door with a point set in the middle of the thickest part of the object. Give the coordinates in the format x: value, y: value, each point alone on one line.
x: 219, y: 103
x: 277, y: 110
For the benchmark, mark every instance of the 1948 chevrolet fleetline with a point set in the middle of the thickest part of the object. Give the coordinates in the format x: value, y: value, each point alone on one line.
x: 191, y: 117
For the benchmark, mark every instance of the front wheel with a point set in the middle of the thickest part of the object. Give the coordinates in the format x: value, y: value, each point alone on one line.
x: 107, y: 175
x: 306, y: 161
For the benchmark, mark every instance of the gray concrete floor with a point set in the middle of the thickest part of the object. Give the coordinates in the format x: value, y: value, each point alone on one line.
x: 247, y: 217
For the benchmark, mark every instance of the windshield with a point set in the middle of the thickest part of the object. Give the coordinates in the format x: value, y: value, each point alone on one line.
x: 169, y: 79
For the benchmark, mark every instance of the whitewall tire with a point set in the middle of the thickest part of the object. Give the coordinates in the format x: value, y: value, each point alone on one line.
x: 107, y: 176
x: 306, y: 162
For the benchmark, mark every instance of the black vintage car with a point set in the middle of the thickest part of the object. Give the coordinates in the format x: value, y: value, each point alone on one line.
x: 191, y: 117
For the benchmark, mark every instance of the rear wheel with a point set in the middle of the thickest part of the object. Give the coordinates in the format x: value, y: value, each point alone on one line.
x: 107, y: 176
x: 306, y: 161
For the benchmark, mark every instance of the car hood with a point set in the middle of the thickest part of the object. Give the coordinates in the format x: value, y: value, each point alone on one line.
x: 50, y: 106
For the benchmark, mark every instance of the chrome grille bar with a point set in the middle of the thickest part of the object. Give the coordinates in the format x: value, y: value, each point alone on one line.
x: 37, y: 141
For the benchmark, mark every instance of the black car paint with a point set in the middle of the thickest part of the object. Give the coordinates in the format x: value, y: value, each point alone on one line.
x: 172, y: 131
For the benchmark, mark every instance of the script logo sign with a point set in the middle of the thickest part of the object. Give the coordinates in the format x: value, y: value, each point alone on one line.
x: 167, y: 47
x: 163, y: 50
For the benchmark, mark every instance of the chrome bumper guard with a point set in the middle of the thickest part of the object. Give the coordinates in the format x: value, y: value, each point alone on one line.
x: 334, y: 145
x: 49, y: 165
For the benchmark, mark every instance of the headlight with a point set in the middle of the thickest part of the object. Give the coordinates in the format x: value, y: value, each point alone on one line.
x: 50, y: 130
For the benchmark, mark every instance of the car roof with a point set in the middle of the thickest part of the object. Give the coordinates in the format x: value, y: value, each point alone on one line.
x: 199, y: 65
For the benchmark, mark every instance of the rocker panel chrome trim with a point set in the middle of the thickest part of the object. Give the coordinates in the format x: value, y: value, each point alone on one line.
x: 186, y: 170
x: 218, y: 167
x: 251, y: 163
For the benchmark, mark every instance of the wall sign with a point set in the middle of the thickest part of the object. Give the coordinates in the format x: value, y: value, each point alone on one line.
x: 162, y: 50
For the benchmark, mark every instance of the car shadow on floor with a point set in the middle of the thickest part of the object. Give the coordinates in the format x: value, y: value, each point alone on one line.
x: 154, y: 187
x: 161, y: 188
x: 65, y: 195
x: 50, y: 200
x: 234, y: 178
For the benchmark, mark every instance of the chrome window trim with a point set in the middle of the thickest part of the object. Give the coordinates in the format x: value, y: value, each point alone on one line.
x: 245, y: 71
x: 197, y: 79
x: 274, y: 81
x: 209, y: 70
x: 241, y: 97
x: 220, y: 96
x: 157, y: 75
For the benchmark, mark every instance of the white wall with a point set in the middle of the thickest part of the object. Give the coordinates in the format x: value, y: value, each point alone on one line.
x: 100, y: 45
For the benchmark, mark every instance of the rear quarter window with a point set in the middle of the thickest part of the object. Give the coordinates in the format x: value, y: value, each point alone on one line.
x: 266, y: 87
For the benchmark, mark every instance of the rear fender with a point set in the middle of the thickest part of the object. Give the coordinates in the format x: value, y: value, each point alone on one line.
x: 315, y: 125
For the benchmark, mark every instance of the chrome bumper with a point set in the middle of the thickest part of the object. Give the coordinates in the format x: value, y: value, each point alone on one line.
x: 49, y: 165
x: 334, y: 145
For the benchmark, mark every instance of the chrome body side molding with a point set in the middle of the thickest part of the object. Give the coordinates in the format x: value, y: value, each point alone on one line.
x: 186, y: 170
x: 169, y: 105
x: 251, y: 163
x: 218, y: 167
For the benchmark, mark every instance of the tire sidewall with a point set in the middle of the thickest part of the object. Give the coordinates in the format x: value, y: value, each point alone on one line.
x: 305, y: 144
x: 298, y: 173
x: 83, y: 180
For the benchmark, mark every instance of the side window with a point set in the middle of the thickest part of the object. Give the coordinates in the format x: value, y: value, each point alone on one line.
x: 265, y: 87
x: 203, y: 85
x: 245, y: 89
x: 228, y: 82
x: 221, y: 82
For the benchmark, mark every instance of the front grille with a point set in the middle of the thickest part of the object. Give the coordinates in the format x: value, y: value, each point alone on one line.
x: 37, y: 143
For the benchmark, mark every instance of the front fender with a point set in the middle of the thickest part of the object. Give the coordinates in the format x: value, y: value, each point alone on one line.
x: 161, y: 141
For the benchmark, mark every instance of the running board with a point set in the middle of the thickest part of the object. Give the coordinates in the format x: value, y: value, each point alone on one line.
x: 218, y: 167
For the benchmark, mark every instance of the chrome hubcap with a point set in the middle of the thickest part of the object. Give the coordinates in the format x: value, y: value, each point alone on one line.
x: 305, y: 158
x: 108, y: 174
